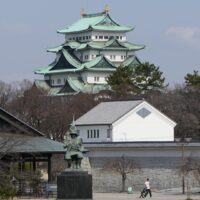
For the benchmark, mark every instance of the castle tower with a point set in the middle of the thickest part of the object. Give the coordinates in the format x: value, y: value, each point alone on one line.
x: 94, y: 47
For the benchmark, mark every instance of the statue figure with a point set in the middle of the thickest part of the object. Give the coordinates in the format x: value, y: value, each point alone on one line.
x: 74, y: 148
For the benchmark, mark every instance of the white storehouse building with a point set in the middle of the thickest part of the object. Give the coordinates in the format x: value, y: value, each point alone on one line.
x: 125, y: 121
x: 140, y: 133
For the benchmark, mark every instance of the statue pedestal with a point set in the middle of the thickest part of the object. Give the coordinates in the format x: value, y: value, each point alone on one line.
x: 73, y: 185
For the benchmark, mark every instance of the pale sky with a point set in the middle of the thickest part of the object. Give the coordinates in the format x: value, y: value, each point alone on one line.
x: 170, y: 30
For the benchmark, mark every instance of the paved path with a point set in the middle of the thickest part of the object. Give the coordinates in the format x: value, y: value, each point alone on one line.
x: 156, y: 196
x: 135, y: 196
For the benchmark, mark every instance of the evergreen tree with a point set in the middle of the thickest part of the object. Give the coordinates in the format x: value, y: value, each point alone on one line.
x: 139, y: 80
x: 192, y: 79
x: 148, y: 77
x: 121, y: 81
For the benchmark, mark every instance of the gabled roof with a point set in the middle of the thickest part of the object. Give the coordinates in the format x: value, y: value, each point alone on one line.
x: 100, y: 63
x: 71, y: 87
x: 99, y: 21
x: 107, y: 112
x: 66, y: 63
x: 17, y: 136
x: 18, y: 124
x: 131, y: 61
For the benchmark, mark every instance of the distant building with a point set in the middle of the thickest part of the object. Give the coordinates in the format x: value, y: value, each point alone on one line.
x: 94, y: 47
x: 125, y: 121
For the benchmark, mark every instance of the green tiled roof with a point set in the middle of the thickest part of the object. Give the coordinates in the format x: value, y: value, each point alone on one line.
x: 67, y: 63
x: 99, y: 21
x: 110, y: 44
x: 100, y: 63
x: 75, y: 86
x: 131, y: 61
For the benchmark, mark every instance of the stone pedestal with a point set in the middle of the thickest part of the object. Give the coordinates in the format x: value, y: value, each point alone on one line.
x: 74, y: 185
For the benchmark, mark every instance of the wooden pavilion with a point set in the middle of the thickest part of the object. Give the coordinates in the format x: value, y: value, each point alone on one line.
x: 21, y: 143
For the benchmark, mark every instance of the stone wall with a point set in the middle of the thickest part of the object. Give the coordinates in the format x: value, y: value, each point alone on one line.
x: 158, y: 161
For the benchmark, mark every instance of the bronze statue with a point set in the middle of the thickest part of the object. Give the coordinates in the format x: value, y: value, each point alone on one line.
x: 74, y: 148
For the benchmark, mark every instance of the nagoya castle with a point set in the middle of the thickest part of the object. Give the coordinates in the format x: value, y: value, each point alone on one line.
x: 94, y: 47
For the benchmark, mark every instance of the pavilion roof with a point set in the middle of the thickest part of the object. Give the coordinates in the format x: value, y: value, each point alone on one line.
x: 99, y: 21
x: 17, y: 136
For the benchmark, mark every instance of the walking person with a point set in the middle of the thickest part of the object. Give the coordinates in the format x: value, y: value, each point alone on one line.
x: 147, y: 185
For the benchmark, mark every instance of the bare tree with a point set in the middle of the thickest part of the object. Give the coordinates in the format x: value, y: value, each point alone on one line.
x: 122, y: 166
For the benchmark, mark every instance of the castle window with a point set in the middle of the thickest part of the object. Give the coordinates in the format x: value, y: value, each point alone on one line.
x: 96, y: 79
x: 105, y: 37
x: 96, y: 37
x: 58, y: 81
x: 88, y: 133
x: 100, y: 37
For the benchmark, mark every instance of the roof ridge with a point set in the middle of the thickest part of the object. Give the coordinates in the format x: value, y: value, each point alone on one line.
x: 94, y: 14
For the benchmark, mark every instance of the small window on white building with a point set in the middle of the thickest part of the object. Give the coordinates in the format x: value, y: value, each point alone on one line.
x: 143, y: 112
x: 91, y: 133
x: 120, y: 37
x: 86, y: 57
x: 94, y: 133
x: 89, y: 37
x: 111, y: 57
x: 97, y: 133
x: 114, y: 57
x: 105, y: 37
x: 108, y: 133
x: 100, y: 37
x: 52, y: 81
x: 86, y: 37
x: 83, y: 37
x: 96, y: 37
x: 88, y: 133
x: 117, y: 37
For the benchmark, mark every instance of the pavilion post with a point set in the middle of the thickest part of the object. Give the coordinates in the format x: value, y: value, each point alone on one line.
x: 49, y: 168
x: 34, y: 164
